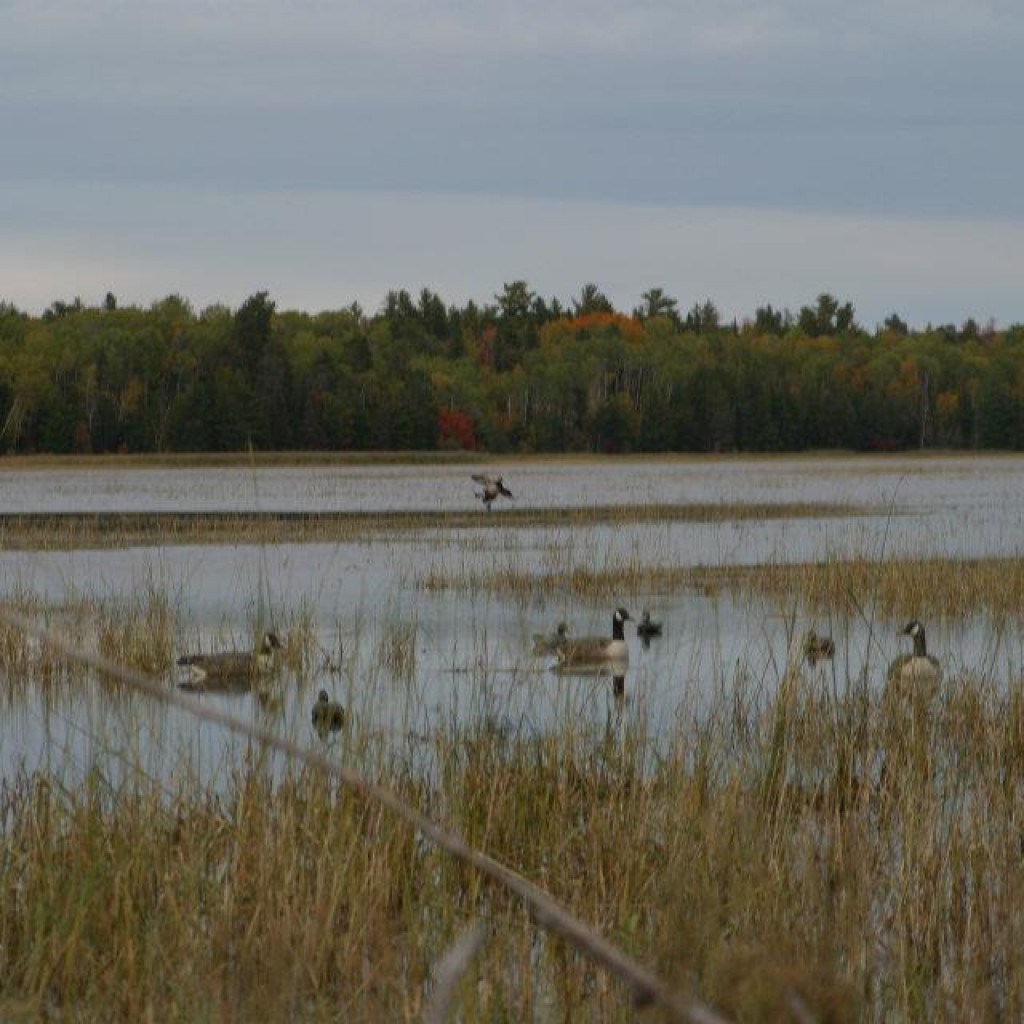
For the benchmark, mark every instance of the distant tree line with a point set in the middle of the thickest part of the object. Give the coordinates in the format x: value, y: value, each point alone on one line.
x: 520, y: 374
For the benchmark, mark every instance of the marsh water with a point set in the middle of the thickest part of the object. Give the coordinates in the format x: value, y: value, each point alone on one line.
x: 410, y: 644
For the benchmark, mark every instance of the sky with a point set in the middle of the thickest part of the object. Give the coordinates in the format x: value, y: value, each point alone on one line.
x: 329, y: 151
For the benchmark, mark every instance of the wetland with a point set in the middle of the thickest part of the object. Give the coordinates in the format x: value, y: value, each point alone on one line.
x: 725, y: 759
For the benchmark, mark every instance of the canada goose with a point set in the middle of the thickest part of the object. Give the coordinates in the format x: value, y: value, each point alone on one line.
x: 492, y: 487
x: 647, y: 627
x: 328, y: 715
x: 229, y: 670
x: 551, y: 643
x: 597, y: 651
x: 818, y: 648
x: 919, y: 667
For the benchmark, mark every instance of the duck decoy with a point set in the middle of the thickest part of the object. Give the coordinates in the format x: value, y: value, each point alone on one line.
x: 590, y: 652
x: 918, y: 667
x: 818, y: 648
x: 647, y: 627
x: 551, y: 643
x: 229, y: 670
x: 493, y: 486
x: 328, y: 715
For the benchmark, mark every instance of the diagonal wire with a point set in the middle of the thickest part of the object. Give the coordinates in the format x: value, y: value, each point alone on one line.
x: 645, y: 987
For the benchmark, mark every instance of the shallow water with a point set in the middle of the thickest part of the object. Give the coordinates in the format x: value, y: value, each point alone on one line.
x: 466, y: 657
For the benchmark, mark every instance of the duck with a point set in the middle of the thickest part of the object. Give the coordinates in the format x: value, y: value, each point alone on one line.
x: 493, y: 487
x: 647, y: 627
x: 230, y: 670
x: 918, y: 667
x: 589, y: 652
x: 818, y: 648
x: 328, y: 715
x: 551, y: 643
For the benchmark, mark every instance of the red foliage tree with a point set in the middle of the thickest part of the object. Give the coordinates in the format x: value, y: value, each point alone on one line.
x: 455, y: 430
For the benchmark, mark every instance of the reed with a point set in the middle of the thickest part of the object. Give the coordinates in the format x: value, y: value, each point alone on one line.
x: 936, y: 587
x: 788, y: 850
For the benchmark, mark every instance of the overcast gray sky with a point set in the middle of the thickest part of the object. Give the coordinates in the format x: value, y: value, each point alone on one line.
x: 328, y: 151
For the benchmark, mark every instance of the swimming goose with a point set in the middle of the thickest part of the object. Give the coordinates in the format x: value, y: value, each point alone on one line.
x: 492, y: 487
x: 597, y: 651
x: 551, y: 643
x: 647, y: 627
x: 328, y: 715
x: 229, y: 670
x: 919, y: 667
x: 818, y: 648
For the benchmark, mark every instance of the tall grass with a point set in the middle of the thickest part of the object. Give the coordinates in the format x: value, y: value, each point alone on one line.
x: 854, y: 857
x: 793, y: 852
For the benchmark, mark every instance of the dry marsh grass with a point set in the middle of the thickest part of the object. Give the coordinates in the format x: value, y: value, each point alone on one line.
x: 809, y: 856
x: 947, y: 587
x: 951, y: 588
x: 119, y: 529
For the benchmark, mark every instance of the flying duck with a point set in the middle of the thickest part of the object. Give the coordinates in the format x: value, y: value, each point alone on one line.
x: 919, y: 667
x: 818, y: 648
x: 493, y: 486
x: 229, y: 670
x: 328, y: 715
x: 589, y: 652
x: 647, y: 627
x: 551, y: 643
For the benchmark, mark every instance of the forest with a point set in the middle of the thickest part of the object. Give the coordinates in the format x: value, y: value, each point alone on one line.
x: 518, y: 375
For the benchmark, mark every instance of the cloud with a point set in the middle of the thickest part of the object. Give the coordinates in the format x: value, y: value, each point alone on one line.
x: 317, y: 249
x: 249, y: 36
x: 902, y: 111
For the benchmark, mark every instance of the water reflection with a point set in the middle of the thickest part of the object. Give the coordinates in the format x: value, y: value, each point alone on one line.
x: 615, y: 671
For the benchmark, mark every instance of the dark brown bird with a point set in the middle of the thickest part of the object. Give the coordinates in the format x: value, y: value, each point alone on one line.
x: 328, y: 715
x: 818, y: 648
x: 493, y: 486
x: 647, y: 627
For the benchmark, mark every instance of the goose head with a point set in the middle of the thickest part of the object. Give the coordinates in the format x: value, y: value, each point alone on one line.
x: 915, y: 630
x: 618, y: 619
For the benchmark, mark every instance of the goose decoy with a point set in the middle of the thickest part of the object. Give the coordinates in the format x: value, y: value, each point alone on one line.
x: 919, y: 667
x: 590, y: 652
x: 818, y: 648
x: 229, y: 670
x: 647, y: 627
x: 493, y: 486
x: 328, y: 715
x: 551, y: 643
